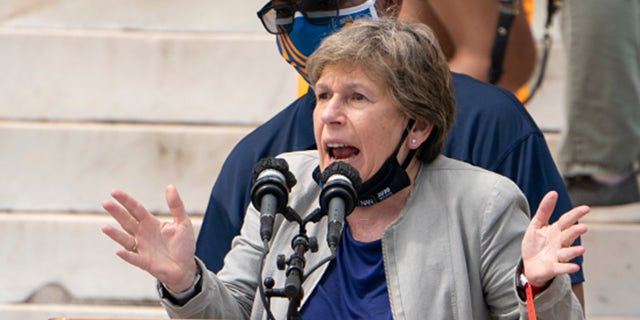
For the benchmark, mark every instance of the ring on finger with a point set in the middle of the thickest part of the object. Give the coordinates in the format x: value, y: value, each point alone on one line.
x: 135, y: 245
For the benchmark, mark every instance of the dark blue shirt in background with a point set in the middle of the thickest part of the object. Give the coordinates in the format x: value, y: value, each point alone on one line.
x: 493, y: 130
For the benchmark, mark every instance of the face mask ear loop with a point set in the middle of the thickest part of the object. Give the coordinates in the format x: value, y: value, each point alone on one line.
x: 409, y: 157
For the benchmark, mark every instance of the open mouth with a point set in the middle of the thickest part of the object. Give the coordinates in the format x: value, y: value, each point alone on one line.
x: 342, y: 152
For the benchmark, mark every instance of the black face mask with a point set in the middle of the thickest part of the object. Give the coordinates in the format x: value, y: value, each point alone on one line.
x: 390, y: 178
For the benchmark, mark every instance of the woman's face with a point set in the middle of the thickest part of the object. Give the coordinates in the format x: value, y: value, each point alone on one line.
x: 354, y: 119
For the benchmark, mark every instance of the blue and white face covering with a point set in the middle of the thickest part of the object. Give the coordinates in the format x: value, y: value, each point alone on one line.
x: 305, y: 37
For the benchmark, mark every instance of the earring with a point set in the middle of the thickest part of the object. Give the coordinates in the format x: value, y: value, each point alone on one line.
x: 413, y: 141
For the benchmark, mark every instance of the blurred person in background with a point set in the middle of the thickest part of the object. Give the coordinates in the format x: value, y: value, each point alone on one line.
x: 469, y: 35
x: 600, y: 145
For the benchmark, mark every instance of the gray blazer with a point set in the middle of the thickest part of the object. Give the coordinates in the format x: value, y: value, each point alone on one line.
x: 451, y: 254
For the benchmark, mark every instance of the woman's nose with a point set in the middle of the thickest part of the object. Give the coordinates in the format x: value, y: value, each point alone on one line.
x: 332, y: 111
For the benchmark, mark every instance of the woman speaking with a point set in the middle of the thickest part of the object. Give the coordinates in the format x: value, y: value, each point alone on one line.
x: 429, y: 237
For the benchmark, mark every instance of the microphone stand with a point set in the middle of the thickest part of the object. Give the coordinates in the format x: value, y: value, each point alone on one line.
x: 295, y: 264
x: 340, y: 181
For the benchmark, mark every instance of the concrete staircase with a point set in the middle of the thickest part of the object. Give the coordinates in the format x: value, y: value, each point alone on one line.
x: 100, y: 94
x: 138, y: 94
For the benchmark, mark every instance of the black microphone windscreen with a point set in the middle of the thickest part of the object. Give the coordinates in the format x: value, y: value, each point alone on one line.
x: 345, y: 169
x: 278, y: 164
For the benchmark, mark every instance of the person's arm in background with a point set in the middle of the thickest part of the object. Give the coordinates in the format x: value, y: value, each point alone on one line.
x: 466, y: 31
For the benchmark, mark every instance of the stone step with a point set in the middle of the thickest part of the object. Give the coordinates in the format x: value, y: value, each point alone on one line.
x: 160, y: 15
x: 119, y: 103
x: 72, y: 167
x: 116, y: 61
x: 195, y: 61
x: 51, y: 258
x: 58, y: 254
x: 611, y: 266
x: 47, y: 311
x: 96, y: 75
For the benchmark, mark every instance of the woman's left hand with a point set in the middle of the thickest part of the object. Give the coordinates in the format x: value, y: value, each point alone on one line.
x: 546, y: 249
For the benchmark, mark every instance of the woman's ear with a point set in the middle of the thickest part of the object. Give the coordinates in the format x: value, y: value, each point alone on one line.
x: 419, y: 133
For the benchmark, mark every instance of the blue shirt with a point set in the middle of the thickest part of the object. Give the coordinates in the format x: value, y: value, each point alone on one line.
x: 493, y: 130
x: 353, y: 286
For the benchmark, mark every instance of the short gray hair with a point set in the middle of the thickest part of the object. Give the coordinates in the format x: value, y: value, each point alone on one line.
x: 407, y: 58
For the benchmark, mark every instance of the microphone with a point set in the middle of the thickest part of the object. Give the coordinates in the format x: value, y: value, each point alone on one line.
x: 340, y: 183
x: 272, y: 181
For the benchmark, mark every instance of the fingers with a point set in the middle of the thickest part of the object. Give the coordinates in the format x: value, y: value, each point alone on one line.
x: 570, y: 234
x: 572, y: 216
x: 134, y: 208
x: 566, y: 254
x: 124, y: 218
x: 175, y: 204
x: 128, y: 215
x: 547, y: 204
x: 132, y: 258
x: 129, y: 243
x: 122, y: 238
x: 565, y: 268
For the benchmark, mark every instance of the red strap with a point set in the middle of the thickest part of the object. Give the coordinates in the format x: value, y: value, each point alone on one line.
x: 531, y: 310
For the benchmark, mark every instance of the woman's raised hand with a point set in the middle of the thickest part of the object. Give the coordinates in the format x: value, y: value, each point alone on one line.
x: 164, y: 249
x: 546, y: 249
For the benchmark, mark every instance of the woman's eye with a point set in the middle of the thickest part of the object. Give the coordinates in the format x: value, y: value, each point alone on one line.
x: 322, y: 96
x: 358, y: 97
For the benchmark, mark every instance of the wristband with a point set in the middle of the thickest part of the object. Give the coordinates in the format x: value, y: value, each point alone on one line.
x: 522, y: 282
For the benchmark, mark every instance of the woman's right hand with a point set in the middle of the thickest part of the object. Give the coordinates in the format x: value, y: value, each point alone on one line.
x: 164, y: 249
